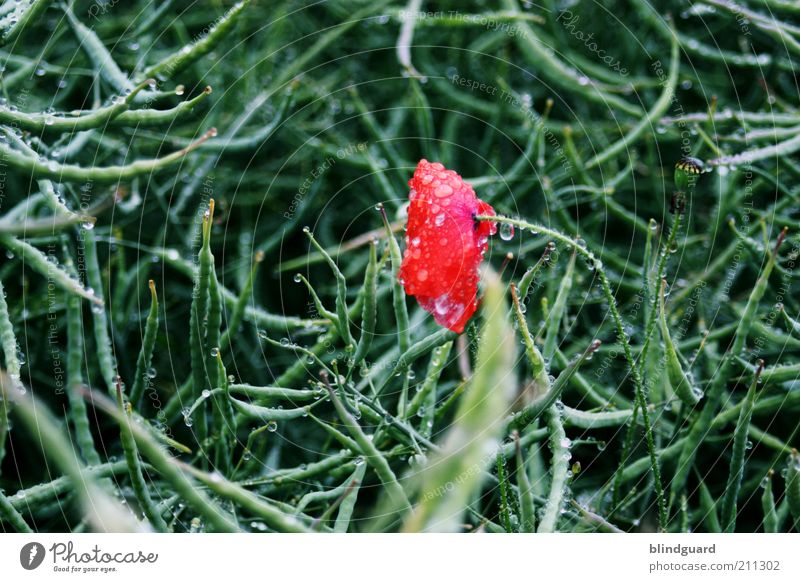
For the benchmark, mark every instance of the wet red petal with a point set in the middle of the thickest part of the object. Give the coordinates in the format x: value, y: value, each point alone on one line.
x: 444, y: 244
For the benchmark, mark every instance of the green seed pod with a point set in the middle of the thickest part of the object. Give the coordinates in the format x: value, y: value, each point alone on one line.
x: 370, y: 308
x: 148, y: 345
x: 768, y: 505
x: 680, y: 381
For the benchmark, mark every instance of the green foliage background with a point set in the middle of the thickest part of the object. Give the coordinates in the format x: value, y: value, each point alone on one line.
x: 273, y: 376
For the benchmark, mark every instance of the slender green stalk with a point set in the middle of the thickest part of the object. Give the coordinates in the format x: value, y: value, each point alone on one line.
x: 348, y: 504
x: 599, y: 522
x: 505, y: 501
x: 558, y: 311
x: 238, y: 311
x: 595, y: 420
x: 322, y: 311
x: 98, y: 53
x: 526, y: 504
x: 264, y: 414
x: 254, y: 504
x: 709, y: 505
x: 536, y: 361
x: 135, y: 471
x: 260, y: 393
x: 342, y: 318
x: 75, y: 355
x: 793, y: 486
x: 40, y: 495
x: 559, y: 471
x: 416, y: 351
x: 398, y: 293
x: 40, y: 168
x: 370, y: 309
x: 70, y: 122
x: 680, y: 381
x: 144, y: 361
x: 740, y: 436
x: 48, y: 267
x: 437, y: 364
x: 10, y: 515
x: 768, y: 505
x: 23, y: 14
x: 540, y: 405
x: 8, y: 341
x: 197, y: 323
x: 105, y: 354
x: 214, y: 318
x: 140, y: 118
x: 189, y: 54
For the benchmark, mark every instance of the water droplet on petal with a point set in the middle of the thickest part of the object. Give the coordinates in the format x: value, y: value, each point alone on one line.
x: 443, y: 191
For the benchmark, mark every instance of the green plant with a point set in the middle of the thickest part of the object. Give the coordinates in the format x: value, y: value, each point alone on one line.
x: 202, y: 319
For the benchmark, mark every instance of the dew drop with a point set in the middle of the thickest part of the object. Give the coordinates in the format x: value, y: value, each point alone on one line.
x: 506, y: 231
x: 443, y: 190
x: 442, y: 304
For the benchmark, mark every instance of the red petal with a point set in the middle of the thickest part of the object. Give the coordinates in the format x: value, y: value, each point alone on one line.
x: 444, y: 244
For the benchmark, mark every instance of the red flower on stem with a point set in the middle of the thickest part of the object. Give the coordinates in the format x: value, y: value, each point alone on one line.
x: 444, y: 244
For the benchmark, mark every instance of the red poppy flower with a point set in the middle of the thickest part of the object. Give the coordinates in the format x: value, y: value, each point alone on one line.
x: 444, y: 244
